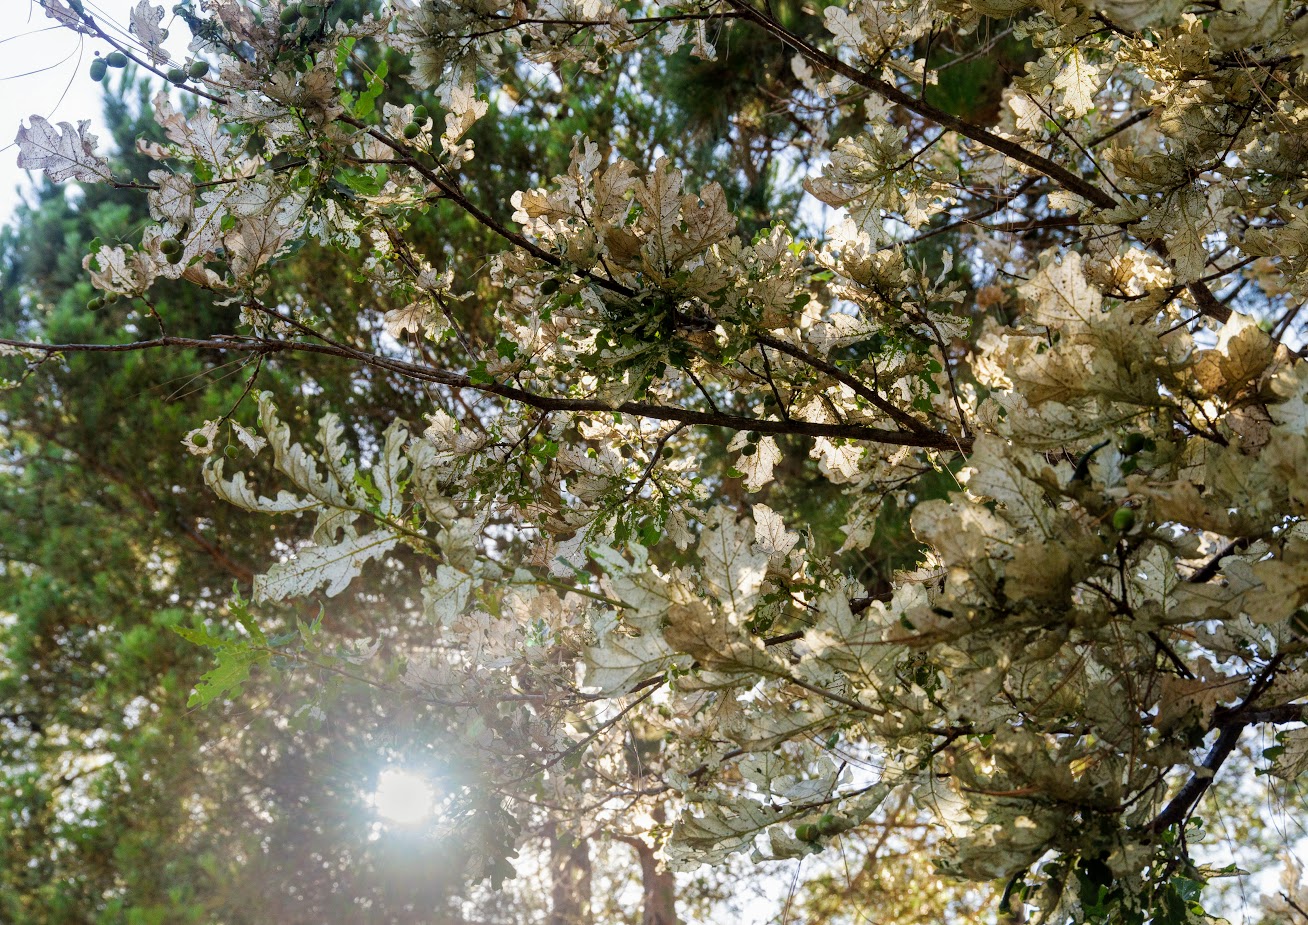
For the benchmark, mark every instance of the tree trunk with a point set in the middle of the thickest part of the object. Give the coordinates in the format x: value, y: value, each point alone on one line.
x: 660, y: 900
x: 570, y: 874
x: 660, y: 887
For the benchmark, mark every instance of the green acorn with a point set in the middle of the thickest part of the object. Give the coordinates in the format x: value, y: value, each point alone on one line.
x: 116, y: 59
x: 1123, y: 519
x: 198, y: 69
x: 1133, y: 443
x: 753, y: 436
x: 176, y: 75
x: 175, y: 257
x: 98, y: 69
x: 748, y: 449
x: 170, y: 246
x: 420, y: 113
x: 95, y: 303
x: 828, y: 824
x: 290, y: 13
x: 412, y: 129
x: 110, y: 298
x: 807, y: 832
x: 549, y: 287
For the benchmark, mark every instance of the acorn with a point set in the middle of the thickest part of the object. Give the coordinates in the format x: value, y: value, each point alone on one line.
x: 170, y: 246
x: 95, y: 303
x: 420, y: 114
x: 828, y: 824
x: 807, y: 832
x: 1123, y: 519
x: 412, y: 129
x: 98, y: 69
x: 1132, y: 443
x: 748, y: 449
x: 110, y: 298
x: 753, y: 436
x: 116, y: 59
x: 198, y: 69
x: 290, y: 13
x: 175, y: 257
x: 176, y: 75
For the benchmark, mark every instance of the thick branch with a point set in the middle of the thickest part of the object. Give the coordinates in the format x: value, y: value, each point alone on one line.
x: 1189, y: 794
x: 1232, y: 722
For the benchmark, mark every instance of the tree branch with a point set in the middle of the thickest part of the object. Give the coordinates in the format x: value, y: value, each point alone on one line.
x: 932, y: 440
x: 901, y: 417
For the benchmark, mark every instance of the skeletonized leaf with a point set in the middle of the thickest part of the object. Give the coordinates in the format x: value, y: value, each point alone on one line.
x: 1060, y: 293
x: 144, y: 21
x: 757, y: 469
x: 620, y: 661
x: 1078, y: 81
x: 65, y: 153
x: 719, y: 831
x: 237, y: 491
x: 770, y: 534
x: 733, y: 572
x: 444, y: 598
x: 335, y: 566
x: 844, y: 26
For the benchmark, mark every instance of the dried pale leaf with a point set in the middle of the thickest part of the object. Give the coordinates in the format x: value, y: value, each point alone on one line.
x: 732, y: 571
x: 65, y: 153
x: 143, y: 21
x: 621, y: 661
x: 1078, y: 81
x: 770, y: 534
x: 313, y: 566
x: 237, y: 491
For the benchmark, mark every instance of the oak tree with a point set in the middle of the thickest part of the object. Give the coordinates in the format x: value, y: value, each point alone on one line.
x: 1055, y: 325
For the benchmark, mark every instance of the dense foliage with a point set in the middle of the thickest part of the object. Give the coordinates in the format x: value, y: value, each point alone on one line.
x: 967, y: 531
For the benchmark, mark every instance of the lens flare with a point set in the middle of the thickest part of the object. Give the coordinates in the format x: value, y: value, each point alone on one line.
x: 403, y: 797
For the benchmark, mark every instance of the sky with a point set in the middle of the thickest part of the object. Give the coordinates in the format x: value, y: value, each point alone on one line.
x: 43, y: 71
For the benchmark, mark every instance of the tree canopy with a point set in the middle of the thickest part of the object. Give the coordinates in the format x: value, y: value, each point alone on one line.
x: 717, y: 432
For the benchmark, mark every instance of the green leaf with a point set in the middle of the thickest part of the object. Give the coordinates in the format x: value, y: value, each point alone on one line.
x: 227, y: 677
x: 201, y: 637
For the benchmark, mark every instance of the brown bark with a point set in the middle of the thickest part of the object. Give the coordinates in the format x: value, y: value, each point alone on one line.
x: 660, y: 886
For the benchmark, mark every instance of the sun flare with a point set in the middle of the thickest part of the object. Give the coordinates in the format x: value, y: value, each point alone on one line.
x: 403, y: 797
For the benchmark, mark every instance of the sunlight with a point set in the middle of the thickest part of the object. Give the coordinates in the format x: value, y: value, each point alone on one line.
x: 403, y: 797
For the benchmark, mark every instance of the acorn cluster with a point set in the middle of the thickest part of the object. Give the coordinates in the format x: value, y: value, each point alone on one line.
x: 412, y: 129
